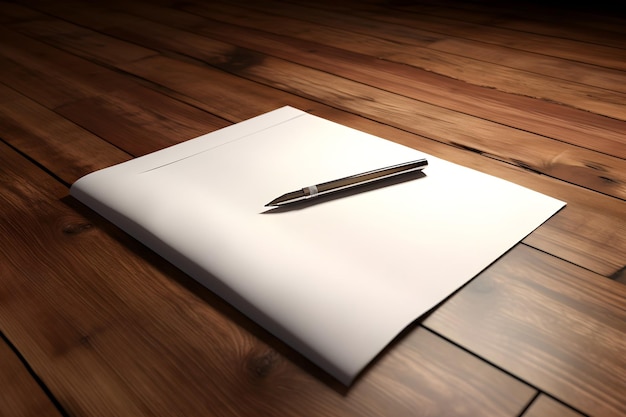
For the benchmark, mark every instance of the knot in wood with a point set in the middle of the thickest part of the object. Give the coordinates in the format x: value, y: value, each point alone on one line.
x: 76, y: 228
x: 261, y: 365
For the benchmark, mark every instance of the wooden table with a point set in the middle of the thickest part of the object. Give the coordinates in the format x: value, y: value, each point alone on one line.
x: 94, y: 324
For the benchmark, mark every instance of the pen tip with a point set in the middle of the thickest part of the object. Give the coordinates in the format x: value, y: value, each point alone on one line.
x: 272, y: 203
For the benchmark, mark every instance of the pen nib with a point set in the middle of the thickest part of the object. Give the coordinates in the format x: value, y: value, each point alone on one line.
x: 287, y: 198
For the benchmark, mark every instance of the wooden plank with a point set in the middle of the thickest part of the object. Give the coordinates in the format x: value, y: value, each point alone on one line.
x: 212, y: 89
x: 604, y: 56
x: 538, y: 76
x: 141, y: 120
x: 30, y: 67
x: 544, y: 118
x: 524, y: 81
x: 406, y: 33
x: 82, y: 40
x: 583, y: 167
x: 590, y: 222
x: 102, y: 101
x: 554, y: 325
x: 553, y: 69
x: 545, y: 406
x: 580, y: 166
x: 483, y: 103
x: 547, y: 119
x: 21, y: 395
x: 208, y: 95
x: 53, y: 141
x: 112, y: 329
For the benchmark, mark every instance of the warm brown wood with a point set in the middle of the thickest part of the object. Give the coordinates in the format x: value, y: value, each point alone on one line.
x: 401, y: 79
x: 567, y: 48
x: 416, y: 83
x: 545, y: 406
x: 100, y: 96
x: 556, y: 158
x: 593, y: 226
x: 554, y: 325
x: 56, y: 143
x: 465, y: 63
x: 20, y: 395
x: 531, y: 93
x: 409, y: 81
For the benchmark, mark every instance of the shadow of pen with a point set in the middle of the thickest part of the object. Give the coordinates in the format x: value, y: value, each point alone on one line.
x: 357, y: 189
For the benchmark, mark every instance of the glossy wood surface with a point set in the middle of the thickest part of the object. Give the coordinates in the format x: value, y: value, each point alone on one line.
x: 95, y: 324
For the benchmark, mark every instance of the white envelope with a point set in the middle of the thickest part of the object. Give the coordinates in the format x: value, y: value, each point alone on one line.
x: 337, y: 279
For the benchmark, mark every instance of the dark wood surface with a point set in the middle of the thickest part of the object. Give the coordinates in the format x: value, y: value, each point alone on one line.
x: 21, y: 395
x: 95, y: 324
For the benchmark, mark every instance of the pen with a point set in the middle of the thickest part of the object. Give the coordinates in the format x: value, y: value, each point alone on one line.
x: 348, y: 182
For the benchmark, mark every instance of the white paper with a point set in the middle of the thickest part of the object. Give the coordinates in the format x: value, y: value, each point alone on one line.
x: 336, y: 280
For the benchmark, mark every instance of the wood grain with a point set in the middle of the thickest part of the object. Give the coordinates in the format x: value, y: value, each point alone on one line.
x: 543, y: 118
x: 573, y: 164
x: 532, y: 94
x: 99, y: 95
x: 408, y: 33
x: 589, y: 222
x: 545, y: 406
x: 56, y: 143
x: 20, y: 395
x: 536, y: 315
x: 570, y: 49
x: 412, y: 82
